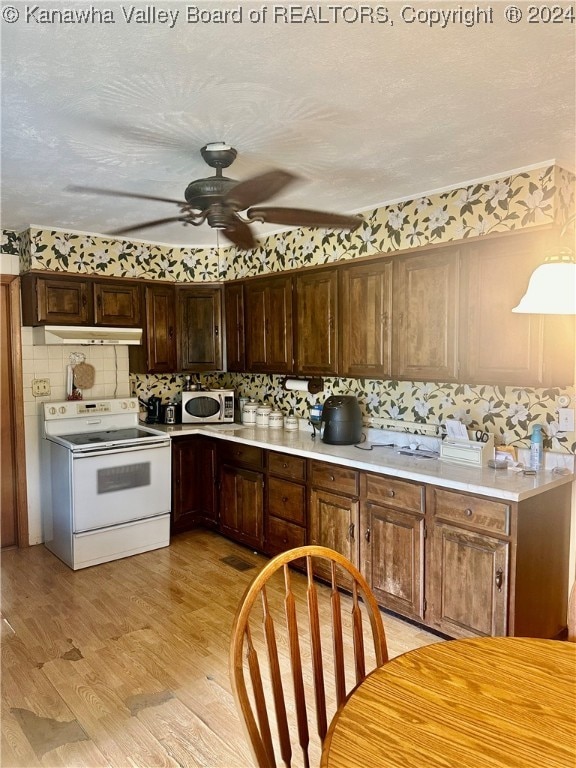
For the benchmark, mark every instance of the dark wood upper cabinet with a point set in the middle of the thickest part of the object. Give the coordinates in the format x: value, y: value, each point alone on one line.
x: 78, y: 300
x: 199, y: 328
x: 316, y: 323
x: 157, y: 353
x: 234, y: 313
x: 117, y: 304
x: 268, y: 328
x: 425, y: 316
x: 500, y: 346
x: 365, y: 320
x: 58, y: 300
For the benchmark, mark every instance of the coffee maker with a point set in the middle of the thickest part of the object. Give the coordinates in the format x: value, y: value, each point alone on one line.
x: 153, y: 409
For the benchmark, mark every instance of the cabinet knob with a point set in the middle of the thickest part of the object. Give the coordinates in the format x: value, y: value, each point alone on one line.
x: 332, y: 478
x: 284, y: 465
x: 284, y: 499
x: 499, y: 579
x: 391, y: 493
x: 468, y: 512
x: 367, y: 535
x: 351, y: 532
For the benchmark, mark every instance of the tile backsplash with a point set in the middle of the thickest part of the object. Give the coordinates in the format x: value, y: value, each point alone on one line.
x: 50, y: 362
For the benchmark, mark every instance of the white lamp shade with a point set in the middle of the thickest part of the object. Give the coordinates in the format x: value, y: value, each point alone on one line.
x: 551, y: 290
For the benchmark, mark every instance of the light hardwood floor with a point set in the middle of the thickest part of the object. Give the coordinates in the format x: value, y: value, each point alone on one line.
x: 125, y: 663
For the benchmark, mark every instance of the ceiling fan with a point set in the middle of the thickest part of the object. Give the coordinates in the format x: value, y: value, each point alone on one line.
x: 218, y: 200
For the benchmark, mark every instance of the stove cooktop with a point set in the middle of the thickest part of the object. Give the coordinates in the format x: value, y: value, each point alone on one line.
x: 107, y: 436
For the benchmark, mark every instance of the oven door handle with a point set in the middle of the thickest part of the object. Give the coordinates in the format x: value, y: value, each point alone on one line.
x: 86, y: 453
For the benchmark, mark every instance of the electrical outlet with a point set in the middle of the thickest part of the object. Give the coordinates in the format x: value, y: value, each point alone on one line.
x: 566, y: 419
x: 40, y: 387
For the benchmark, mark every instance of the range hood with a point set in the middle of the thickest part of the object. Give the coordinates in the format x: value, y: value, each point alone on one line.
x: 81, y: 335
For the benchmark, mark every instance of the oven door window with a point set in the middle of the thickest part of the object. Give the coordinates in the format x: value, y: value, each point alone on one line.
x: 120, y: 486
x: 111, y: 479
x: 203, y: 407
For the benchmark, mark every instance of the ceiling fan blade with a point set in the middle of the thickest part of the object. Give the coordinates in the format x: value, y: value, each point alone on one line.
x: 117, y: 193
x: 257, y: 189
x: 145, y: 224
x: 301, y: 217
x: 239, y: 233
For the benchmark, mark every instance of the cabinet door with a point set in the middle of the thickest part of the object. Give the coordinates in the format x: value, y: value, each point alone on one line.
x: 467, y: 582
x: 56, y: 300
x: 234, y: 312
x: 193, y: 483
x: 117, y: 304
x: 268, y: 329
x: 425, y: 310
x: 333, y: 522
x: 241, y: 505
x: 157, y: 353
x: 501, y: 346
x: 365, y: 320
x: 392, y: 557
x: 316, y: 323
x: 200, y: 329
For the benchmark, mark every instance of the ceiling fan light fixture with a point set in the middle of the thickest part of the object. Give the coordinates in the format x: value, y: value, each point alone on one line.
x: 552, y: 286
x: 218, y: 154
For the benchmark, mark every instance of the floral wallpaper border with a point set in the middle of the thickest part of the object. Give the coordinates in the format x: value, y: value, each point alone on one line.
x: 526, y: 199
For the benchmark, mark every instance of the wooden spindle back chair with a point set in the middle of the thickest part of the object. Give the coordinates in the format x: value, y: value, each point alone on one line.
x: 246, y: 663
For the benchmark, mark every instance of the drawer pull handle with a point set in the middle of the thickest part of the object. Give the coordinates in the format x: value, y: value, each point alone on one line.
x: 391, y: 493
x: 367, y: 535
x: 468, y: 512
x: 499, y: 579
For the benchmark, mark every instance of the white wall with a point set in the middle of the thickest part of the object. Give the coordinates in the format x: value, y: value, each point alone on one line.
x: 50, y: 362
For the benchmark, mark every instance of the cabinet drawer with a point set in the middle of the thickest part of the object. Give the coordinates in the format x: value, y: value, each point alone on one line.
x: 334, y: 478
x: 472, y: 511
x: 396, y: 493
x: 287, y: 500
x: 281, y: 535
x: 238, y: 453
x: 287, y: 466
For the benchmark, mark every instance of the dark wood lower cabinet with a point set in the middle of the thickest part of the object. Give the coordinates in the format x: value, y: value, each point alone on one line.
x: 193, y: 483
x: 463, y: 564
x: 468, y: 592
x: 241, y: 505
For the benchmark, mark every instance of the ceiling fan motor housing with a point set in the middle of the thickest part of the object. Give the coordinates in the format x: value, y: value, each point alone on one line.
x: 202, y: 193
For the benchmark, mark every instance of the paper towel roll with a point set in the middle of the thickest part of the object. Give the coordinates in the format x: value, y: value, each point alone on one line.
x: 297, y: 385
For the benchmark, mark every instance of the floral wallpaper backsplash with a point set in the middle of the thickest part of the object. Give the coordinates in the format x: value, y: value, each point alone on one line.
x: 522, y: 200
x: 506, y: 412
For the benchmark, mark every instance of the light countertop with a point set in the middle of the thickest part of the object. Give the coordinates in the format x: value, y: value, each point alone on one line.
x: 503, y: 484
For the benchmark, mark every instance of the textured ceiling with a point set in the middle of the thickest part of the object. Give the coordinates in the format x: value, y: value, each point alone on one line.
x: 364, y: 113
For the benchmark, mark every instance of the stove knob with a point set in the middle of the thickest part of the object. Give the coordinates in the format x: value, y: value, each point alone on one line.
x: 62, y: 409
x: 132, y: 404
x: 52, y: 411
x: 123, y: 404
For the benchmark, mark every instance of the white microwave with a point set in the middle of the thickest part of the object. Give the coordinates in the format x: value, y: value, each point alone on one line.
x: 208, y: 405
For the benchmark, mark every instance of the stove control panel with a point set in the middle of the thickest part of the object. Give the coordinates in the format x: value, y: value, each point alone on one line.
x: 74, y: 408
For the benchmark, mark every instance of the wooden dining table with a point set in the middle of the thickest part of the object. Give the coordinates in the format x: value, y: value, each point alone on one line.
x: 475, y: 703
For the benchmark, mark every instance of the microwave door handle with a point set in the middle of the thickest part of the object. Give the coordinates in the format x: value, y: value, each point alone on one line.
x: 221, y: 399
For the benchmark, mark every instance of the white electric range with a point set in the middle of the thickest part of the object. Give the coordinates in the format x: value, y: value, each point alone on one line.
x: 111, y: 482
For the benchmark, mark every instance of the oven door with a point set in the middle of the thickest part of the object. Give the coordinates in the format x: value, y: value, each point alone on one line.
x: 117, y: 486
